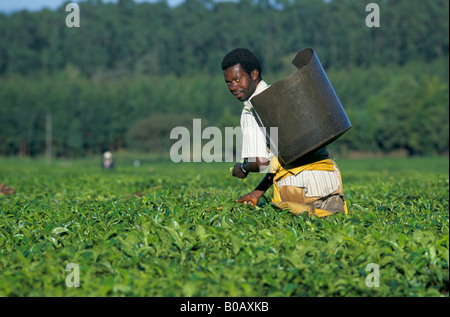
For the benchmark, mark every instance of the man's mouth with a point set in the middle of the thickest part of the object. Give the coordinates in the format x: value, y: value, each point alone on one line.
x: 237, y: 93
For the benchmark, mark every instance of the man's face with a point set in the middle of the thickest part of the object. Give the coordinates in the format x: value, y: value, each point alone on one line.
x: 240, y: 84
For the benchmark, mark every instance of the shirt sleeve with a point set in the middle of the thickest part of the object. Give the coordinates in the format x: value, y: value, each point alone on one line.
x: 253, y: 137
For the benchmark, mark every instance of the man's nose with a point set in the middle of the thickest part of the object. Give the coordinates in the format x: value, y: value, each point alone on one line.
x: 233, y: 86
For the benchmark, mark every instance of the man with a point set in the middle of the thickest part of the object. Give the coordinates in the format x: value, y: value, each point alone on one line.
x: 311, y: 184
x: 107, y: 160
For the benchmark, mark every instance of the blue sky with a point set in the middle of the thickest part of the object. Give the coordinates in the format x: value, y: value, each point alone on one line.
x: 9, y: 6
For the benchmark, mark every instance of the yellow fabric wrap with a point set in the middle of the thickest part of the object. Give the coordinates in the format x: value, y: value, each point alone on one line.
x: 298, y: 208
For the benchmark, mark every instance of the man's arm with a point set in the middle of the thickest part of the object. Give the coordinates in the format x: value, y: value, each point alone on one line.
x: 253, y: 197
x: 254, y: 165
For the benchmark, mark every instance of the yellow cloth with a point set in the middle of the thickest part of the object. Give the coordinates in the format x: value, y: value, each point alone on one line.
x: 297, y: 208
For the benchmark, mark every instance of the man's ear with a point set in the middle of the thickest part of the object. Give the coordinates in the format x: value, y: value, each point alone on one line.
x: 255, y: 74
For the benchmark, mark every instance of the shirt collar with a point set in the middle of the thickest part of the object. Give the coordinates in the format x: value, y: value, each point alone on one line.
x: 262, y: 85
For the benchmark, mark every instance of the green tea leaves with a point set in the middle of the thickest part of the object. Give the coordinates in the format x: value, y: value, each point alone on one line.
x: 184, y: 235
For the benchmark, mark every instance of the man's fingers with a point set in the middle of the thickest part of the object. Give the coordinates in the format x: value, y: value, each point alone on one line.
x: 245, y: 202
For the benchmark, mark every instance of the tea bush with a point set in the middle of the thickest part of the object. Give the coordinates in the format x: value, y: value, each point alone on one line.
x: 165, y: 229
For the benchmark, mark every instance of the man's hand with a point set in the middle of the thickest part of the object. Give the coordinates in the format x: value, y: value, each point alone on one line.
x: 251, y: 198
x: 237, y: 171
x: 254, y: 165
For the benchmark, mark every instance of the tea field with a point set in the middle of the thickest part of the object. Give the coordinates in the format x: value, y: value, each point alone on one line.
x: 162, y: 229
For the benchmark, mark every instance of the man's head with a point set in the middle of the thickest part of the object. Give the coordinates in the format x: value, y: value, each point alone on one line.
x: 242, y: 72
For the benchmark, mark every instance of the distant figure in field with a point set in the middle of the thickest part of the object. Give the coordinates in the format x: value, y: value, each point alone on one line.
x: 107, y: 160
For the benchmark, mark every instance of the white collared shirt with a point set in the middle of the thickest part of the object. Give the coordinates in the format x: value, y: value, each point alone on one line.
x: 253, y: 136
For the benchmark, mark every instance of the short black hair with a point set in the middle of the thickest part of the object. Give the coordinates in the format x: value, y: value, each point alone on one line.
x: 245, y: 58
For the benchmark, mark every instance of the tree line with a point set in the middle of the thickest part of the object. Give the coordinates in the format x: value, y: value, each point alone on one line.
x: 131, y: 72
x: 153, y: 38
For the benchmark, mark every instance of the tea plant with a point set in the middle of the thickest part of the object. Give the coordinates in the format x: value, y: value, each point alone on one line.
x: 167, y: 229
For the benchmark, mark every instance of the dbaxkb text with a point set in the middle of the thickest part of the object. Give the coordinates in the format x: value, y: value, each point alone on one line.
x: 236, y: 306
